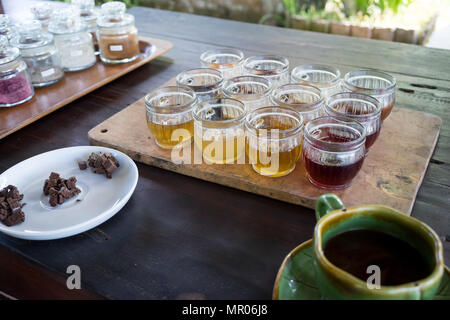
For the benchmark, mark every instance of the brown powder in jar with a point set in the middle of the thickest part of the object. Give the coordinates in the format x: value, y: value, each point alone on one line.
x: 118, y: 46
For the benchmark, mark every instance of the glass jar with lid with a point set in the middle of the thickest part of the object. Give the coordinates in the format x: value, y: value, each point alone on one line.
x: 5, y: 27
x: 72, y: 39
x: 15, y: 83
x: 88, y: 15
x: 39, y: 52
x: 117, y: 34
x: 42, y: 11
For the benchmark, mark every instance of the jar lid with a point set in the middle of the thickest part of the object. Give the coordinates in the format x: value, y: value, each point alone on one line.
x: 30, y: 35
x: 66, y: 20
x: 87, y: 9
x: 5, y: 26
x: 112, y: 14
x: 42, y: 10
x: 7, y: 53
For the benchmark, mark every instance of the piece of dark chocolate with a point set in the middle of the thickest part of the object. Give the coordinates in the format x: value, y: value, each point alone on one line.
x: 10, y: 207
x: 62, y: 190
x: 82, y: 165
x: 103, y: 163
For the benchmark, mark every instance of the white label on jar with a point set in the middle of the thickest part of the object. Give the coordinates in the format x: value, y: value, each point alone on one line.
x: 116, y: 47
x: 76, y: 53
x: 48, y: 72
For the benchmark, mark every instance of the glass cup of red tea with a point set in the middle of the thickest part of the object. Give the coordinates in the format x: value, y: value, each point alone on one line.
x: 333, y: 151
x: 375, y: 83
x: 359, y: 107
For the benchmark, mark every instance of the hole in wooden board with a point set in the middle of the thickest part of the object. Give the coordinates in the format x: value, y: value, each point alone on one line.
x: 423, y: 86
x: 104, y: 130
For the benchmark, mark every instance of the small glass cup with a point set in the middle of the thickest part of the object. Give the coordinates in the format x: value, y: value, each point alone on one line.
x: 206, y: 82
x: 228, y: 61
x: 326, y: 78
x: 253, y: 91
x: 219, y: 130
x: 333, y: 151
x: 305, y: 99
x: 359, y: 107
x: 274, y: 140
x: 375, y: 83
x: 273, y: 68
x: 169, y: 116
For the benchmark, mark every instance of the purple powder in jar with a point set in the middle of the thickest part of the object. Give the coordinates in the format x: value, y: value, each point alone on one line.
x: 14, y: 90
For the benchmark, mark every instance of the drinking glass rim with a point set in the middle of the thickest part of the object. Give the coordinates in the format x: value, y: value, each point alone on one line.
x: 352, y: 145
x: 371, y: 72
x: 239, y: 53
x: 274, y: 57
x: 325, y: 67
x: 179, y: 108
x: 202, y: 88
x: 354, y: 96
x: 284, y: 133
x: 309, y: 106
x: 202, y: 105
x: 252, y: 78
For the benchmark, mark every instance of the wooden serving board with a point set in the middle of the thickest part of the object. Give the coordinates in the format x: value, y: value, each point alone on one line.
x: 391, y: 174
x: 75, y: 85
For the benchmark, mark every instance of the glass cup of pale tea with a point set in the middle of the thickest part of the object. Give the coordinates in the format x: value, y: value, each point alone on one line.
x: 324, y: 77
x: 219, y: 130
x: 271, y: 67
x: 169, y: 116
x: 333, y: 151
x: 375, y: 83
x: 227, y: 60
x: 273, y: 140
x: 305, y: 99
x: 253, y: 91
x: 206, y: 82
x: 359, y: 107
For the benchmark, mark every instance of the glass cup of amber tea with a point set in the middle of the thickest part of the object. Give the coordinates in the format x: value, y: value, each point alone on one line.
x: 253, y: 91
x: 206, y: 82
x: 169, y: 116
x: 219, y: 130
x: 375, y: 83
x: 326, y: 78
x: 359, y: 107
x: 333, y: 151
x: 305, y: 99
x: 273, y: 68
x: 273, y: 140
x: 227, y: 60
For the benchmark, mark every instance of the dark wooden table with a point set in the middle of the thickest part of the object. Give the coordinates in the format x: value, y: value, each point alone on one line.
x: 181, y: 237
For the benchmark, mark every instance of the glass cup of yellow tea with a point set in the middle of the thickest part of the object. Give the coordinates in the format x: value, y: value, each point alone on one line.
x: 219, y: 130
x: 169, y: 116
x: 274, y: 140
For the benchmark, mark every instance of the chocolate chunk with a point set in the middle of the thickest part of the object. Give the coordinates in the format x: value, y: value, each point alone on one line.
x: 10, y: 207
x: 63, y: 189
x: 82, y: 165
x: 103, y: 163
x: 14, y: 218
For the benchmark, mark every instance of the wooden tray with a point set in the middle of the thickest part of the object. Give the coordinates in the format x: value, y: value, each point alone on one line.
x: 391, y: 173
x: 75, y: 85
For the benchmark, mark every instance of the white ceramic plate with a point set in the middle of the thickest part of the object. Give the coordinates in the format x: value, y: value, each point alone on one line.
x: 100, y: 197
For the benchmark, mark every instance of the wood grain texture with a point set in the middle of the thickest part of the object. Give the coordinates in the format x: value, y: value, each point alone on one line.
x: 179, y: 236
x: 387, y: 177
x: 75, y: 85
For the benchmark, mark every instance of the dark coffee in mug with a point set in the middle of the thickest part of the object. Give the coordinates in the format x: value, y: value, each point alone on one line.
x: 399, y: 262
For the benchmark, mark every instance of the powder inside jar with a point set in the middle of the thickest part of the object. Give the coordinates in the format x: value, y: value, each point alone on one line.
x: 119, y: 46
x: 14, y: 90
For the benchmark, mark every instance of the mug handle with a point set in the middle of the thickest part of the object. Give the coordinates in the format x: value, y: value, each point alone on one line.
x: 327, y: 203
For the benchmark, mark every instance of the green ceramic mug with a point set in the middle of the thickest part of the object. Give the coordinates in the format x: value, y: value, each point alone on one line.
x: 335, y: 283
